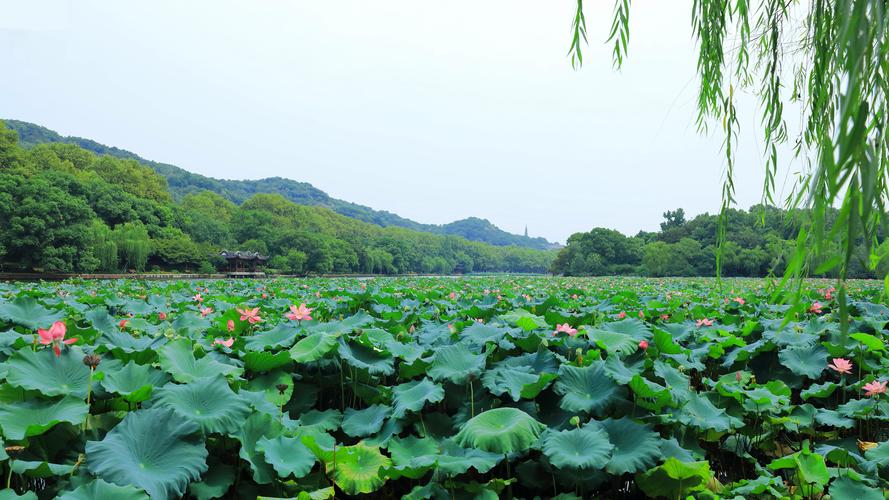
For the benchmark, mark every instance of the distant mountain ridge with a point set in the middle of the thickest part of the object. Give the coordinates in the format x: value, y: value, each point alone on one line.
x: 182, y: 182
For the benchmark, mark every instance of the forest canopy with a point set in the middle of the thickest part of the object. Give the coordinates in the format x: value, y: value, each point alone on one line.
x: 66, y: 209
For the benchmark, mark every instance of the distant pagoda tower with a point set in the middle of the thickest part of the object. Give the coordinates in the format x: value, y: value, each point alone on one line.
x: 526, y: 230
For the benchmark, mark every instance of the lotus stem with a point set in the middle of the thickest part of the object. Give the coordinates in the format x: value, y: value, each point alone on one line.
x: 9, y: 474
x: 471, y: 398
x: 89, y: 393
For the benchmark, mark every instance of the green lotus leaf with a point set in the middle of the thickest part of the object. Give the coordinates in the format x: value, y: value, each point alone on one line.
x: 616, y: 343
x: 818, y: 391
x: 358, y: 468
x: 41, y: 468
x: 366, y: 358
x: 288, y: 455
x: 665, y: 344
x: 833, y: 418
x: 456, y: 363
x: 846, y: 487
x: 412, y: 456
x: 256, y: 427
x: 524, y: 320
x: 807, y: 361
x: 586, y: 448
x: 621, y: 371
x: 880, y: 454
x: 413, y: 396
x: 501, y: 430
x: 872, y: 343
x: 700, y: 413
x: 33, y: 417
x: 134, y: 382
x: 215, y: 483
x: 502, y: 380
x: 586, y: 389
x: 155, y: 450
x: 100, y: 489
x: 128, y: 344
x: 50, y: 375
x: 323, y: 421
x: 674, y: 479
x: 361, y: 423
x: 650, y: 395
x: 313, y: 347
x: 477, y: 335
x: 281, y: 336
x: 677, y: 382
x: 455, y: 460
x: 811, y: 468
x: 636, y: 446
x: 208, y: 402
x: 263, y: 361
x: 10, y: 494
x: 268, y: 384
x: 26, y: 311
x: 177, y: 358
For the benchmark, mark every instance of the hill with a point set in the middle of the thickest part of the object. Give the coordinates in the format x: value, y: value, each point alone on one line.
x: 182, y: 182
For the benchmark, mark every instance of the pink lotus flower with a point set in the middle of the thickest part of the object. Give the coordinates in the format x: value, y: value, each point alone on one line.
x: 840, y: 365
x: 874, y: 388
x: 299, y: 313
x: 197, y: 298
x: 452, y: 295
x: 318, y: 294
x: 665, y: 317
x: 622, y: 315
x: 162, y: 316
x: 739, y: 300
x: 815, y: 307
x: 205, y: 311
x: 250, y: 315
x: 123, y: 323
x: 227, y: 343
x: 230, y: 325
x: 565, y: 328
x: 643, y: 344
x: 574, y: 296
x: 704, y: 322
x: 641, y: 315
x: 55, y: 336
x: 738, y: 376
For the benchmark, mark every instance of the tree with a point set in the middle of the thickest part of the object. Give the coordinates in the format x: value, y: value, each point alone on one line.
x: 43, y: 227
x: 133, y: 245
x: 833, y: 61
x: 673, y: 218
x: 103, y: 246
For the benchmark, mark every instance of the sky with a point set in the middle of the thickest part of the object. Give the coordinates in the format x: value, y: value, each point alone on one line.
x: 434, y: 110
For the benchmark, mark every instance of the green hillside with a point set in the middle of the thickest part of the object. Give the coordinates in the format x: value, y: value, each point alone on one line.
x: 182, y: 182
x: 67, y: 209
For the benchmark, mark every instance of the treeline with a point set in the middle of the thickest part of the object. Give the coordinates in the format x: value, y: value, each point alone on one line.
x: 759, y: 241
x: 182, y: 182
x: 66, y: 209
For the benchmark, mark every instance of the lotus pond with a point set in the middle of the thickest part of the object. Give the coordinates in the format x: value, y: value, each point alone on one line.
x: 441, y: 388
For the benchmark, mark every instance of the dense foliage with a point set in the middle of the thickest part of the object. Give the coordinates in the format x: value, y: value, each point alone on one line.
x: 759, y: 242
x: 182, y: 182
x: 828, y: 58
x: 440, y: 388
x: 66, y: 209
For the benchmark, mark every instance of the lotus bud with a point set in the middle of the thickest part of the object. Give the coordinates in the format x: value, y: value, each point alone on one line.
x: 575, y: 421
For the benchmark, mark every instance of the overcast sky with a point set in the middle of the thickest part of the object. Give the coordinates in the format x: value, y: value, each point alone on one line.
x: 434, y: 110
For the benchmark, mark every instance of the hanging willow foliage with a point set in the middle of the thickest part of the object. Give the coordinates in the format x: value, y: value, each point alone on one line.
x: 835, y: 58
